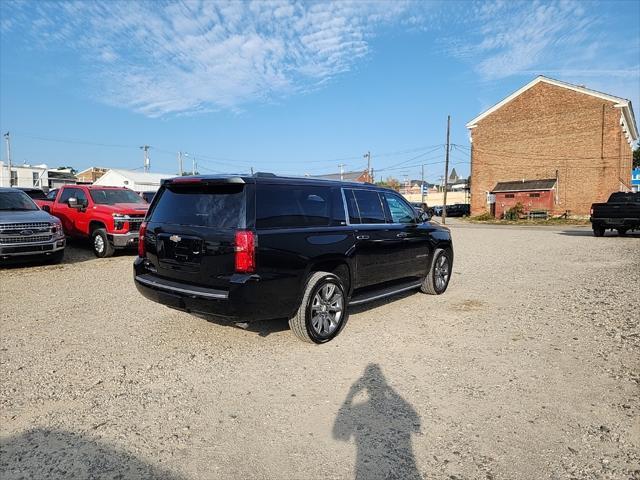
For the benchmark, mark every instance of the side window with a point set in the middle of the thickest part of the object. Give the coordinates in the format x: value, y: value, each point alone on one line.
x: 290, y: 206
x: 81, y: 197
x: 399, y: 210
x: 352, y: 207
x: 67, y: 193
x: 369, y: 206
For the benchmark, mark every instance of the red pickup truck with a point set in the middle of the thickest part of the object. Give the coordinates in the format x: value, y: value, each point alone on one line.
x: 109, y: 216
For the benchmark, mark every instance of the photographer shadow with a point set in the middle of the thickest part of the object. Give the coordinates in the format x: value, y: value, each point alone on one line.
x: 381, y: 426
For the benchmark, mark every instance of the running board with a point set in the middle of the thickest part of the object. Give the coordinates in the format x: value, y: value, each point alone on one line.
x: 384, y: 292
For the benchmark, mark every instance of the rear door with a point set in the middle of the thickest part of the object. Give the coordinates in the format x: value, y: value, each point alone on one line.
x: 191, y: 231
x: 376, y: 251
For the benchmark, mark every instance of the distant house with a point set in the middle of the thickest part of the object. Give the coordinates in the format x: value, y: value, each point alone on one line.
x: 533, y: 195
x: 39, y: 176
x: 60, y: 177
x: 136, y: 181
x: 580, y: 137
x: 357, y: 176
x: 24, y: 175
x: 635, y: 179
x: 90, y: 175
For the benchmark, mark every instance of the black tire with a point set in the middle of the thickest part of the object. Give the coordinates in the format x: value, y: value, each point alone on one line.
x: 302, y: 323
x: 622, y: 232
x: 56, y: 257
x: 598, y: 232
x: 437, y: 280
x: 101, y: 246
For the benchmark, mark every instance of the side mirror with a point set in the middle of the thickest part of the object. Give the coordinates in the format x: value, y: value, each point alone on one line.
x: 424, y: 217
x: 73, y: 203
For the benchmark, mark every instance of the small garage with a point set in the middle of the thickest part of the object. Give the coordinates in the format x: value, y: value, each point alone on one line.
x: 537, y: 197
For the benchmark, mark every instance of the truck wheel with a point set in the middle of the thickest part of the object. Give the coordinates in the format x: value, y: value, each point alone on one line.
x: 57, y: 257
x: 598, y: 232
x: 437, y: 280
x: 323, y: 310
x: 102, y: 247
x: 622, y: 232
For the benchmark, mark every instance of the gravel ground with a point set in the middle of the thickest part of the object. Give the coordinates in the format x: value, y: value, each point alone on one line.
x: 527, y: 368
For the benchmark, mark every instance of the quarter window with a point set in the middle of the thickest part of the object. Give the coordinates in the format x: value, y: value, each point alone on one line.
x: 291, y: 206
x: 399, y: 210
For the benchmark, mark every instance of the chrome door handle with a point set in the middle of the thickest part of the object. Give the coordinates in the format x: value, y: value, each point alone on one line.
x: 362, y: 237
x: 402, y: 234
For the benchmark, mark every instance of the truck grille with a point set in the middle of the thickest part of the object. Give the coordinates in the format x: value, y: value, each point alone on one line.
x: 134, y: 224
x: 29, y: 239
x: 17, y: 227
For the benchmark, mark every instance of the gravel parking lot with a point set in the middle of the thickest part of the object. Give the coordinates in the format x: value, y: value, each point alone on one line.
x: 527, y: 368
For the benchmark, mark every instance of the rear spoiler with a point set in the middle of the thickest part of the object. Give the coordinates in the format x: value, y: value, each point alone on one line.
x: 203, y: 181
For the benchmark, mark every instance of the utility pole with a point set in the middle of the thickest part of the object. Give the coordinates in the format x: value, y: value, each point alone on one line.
x: 194, y: 165
x: 147, y: 162
x: 341, y: 167
x: 446, y: 173
x: 368, y: 157
x: 180, y: 163
x: 7, y: 139
x: 422, y: 185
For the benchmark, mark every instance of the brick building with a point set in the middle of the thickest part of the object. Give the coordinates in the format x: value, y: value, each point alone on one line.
x: 554, y: 130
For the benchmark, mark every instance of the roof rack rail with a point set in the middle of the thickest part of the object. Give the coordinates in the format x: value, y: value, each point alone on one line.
x: 264, y: 174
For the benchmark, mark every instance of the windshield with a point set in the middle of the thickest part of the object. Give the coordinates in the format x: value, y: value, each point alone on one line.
x: 16, y: 201
x: 113, y: 196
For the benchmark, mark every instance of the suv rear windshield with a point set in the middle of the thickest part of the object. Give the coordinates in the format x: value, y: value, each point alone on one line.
x: 220, y: 206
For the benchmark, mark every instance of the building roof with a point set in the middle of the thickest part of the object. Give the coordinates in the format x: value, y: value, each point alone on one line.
x: 628, y: 119
x: 92, y: 169
x: 140, y: 177
x: 525, y: 185
x: 345, y: 176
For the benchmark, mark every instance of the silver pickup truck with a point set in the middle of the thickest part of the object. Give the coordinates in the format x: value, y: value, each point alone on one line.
x: 26, y: 231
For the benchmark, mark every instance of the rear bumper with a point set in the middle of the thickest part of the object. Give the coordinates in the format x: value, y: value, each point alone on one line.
x: 30, y: 249
x: 243, y: 300
x: 124, y: 240
x: 615, y: 222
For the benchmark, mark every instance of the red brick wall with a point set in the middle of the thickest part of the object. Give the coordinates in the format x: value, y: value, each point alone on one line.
x: 548, y: 130
x: 543, y: 202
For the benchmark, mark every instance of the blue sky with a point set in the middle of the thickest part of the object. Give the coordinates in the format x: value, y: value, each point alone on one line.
x: 289, y: 87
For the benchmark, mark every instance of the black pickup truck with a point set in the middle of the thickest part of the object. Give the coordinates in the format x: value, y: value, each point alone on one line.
x: 621, y: 212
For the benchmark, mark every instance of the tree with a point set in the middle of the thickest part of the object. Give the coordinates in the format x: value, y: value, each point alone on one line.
x: 71, y: 169
x: 636, y: 157
x: 390, y: 182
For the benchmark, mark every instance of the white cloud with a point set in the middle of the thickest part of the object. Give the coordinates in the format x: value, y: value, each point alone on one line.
x: 163, y: 58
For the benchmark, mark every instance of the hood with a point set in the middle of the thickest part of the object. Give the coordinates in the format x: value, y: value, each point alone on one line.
x: 26, y: 217
x: 123, y: 208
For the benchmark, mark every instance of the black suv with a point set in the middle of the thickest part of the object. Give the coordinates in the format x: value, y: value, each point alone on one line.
x: 259, y: 247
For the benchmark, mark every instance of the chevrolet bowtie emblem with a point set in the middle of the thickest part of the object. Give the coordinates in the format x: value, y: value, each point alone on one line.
x: 175, y: 238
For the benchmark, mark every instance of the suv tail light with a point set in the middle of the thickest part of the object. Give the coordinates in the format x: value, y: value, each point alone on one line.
x: 245, y: 251
x: 141, y: 246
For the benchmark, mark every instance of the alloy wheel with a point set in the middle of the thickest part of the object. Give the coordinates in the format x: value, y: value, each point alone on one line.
x: 327, y: 309
x: 441, y: 272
